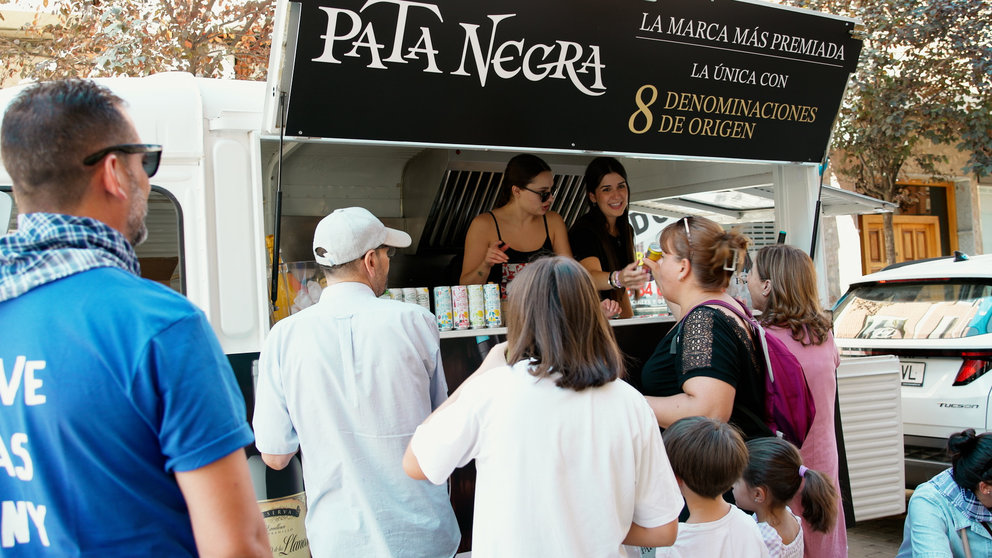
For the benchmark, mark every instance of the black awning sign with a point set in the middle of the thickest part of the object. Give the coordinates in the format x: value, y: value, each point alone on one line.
x: 723, y: 78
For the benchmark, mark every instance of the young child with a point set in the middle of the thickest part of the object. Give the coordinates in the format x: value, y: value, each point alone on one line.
x: 774, y: 474
x: 707, y: 457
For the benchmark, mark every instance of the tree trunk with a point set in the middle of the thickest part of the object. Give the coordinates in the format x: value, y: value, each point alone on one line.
x: 890, y: 238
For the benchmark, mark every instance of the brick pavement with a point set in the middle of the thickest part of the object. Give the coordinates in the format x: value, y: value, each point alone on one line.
x: 876, y: 538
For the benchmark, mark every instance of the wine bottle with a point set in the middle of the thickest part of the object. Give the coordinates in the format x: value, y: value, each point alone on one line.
x: 283, y: 503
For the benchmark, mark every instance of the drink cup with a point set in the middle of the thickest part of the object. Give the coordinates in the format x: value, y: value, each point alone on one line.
x: 494, y: 316
x: 442, y: 308
x: 460, y: 308
x: 424, y: 297
x: 476, y: 307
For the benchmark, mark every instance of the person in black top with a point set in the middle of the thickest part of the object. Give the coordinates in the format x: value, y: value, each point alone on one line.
x: 521, y: 228
x: 707, y: 364
x: 602, y: 240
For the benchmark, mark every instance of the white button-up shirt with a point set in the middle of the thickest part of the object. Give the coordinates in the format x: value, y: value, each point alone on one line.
x: 347, y: 381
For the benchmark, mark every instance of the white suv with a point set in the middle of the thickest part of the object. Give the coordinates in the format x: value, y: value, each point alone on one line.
x: 935, y: 316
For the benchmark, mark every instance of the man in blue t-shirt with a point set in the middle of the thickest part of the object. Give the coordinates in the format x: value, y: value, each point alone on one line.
x: 121, y: 426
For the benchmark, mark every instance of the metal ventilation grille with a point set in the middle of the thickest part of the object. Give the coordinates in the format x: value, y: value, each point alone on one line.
x: 464, y: 194
x: 762, y: 233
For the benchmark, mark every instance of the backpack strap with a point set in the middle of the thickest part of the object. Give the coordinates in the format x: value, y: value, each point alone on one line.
x: 678, y: 331
x: 759, y: 331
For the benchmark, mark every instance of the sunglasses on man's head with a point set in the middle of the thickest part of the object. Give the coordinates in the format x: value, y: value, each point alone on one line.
x: 151, y: 155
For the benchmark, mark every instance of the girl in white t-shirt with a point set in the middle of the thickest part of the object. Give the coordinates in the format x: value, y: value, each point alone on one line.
x: 568, y: 456
x: 774, y: 474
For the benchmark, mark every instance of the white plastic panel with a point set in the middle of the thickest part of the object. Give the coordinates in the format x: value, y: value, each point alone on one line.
x: 235, y: 258
x: 871, y: 413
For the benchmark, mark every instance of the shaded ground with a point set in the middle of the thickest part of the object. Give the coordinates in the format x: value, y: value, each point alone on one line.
x: 877, y: 538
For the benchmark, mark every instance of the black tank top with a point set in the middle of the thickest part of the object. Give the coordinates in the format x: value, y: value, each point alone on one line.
x: 504, y: 273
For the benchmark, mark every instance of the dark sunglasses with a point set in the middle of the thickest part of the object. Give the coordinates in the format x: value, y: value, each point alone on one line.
x: 151, y: 155
x: 390, y: 250
x: 545, y: 195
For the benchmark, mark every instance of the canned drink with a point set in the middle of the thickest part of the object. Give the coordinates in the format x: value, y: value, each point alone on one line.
x: 410, y: 295
x: 459, y: 307
x: 396, y: 294
x: 424, y: 297
x: 492, y: 300
x: 476, y: 307
x: 442, y: 308
x: 654, y: 252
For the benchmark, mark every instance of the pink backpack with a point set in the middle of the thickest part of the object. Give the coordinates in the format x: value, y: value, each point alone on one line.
x: 789, y: 408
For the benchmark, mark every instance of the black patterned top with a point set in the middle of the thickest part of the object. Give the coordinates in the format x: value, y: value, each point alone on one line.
x: 713, y: 345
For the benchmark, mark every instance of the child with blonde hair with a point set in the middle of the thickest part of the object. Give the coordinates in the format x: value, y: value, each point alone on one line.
x: 774, y: 474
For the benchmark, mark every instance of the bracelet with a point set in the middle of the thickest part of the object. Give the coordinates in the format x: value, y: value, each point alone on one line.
x: 614, y: 280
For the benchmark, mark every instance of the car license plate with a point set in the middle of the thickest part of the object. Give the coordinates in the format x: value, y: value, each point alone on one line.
x: 912, y: 372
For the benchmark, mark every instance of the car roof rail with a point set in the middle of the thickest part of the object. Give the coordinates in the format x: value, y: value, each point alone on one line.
x: 914, y: 262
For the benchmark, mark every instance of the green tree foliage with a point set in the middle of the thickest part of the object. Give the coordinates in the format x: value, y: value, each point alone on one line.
x: 92, y: 38
x: 925, y: 76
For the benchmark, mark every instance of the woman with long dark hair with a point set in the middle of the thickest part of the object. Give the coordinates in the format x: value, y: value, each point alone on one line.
x: 522, y: 228
x: 569, y: 458
x: 602, y: 240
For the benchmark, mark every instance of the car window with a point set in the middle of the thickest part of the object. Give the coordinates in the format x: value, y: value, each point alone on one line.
x: 161, y: 255
x: 917, y: 310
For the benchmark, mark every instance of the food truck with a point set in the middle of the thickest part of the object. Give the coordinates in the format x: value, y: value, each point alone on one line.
x: 721, y: 108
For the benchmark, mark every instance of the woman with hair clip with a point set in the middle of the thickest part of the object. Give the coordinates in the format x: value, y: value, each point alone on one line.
x: 782, y: 283
x: 569, y: 458
x: 951, y: 514
x: 602, y: 240
x: 707, y: 364
x: 774, y: 476
x: 521, y: 228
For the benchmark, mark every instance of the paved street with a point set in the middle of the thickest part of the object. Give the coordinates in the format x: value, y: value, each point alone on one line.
x: 877, y: 538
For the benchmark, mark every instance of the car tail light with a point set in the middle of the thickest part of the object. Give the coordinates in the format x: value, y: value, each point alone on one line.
x: 971, y: 370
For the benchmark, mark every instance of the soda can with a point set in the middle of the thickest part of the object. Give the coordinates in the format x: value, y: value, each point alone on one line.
x: 424, y: 297
x: 410, y: 295
x: 442, y: 308
x: 492, y: 301
x: 476, y: 307
x: 459, y: 303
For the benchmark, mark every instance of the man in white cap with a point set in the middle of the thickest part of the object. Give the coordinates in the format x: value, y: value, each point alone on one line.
x: 346, y: 382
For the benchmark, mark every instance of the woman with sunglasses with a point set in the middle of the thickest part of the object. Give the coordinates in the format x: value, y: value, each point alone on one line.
x: 782, y: 283
x: 521, y: 228
x: 707, y: 364
x: 603, y: 240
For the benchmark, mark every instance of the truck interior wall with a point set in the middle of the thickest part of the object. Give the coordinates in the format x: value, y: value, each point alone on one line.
x: 401, y: 185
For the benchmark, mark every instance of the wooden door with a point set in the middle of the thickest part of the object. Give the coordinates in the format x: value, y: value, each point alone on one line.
x: 917, y: 237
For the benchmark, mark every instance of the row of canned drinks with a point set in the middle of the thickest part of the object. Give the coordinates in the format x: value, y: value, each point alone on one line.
x: 457, y: 307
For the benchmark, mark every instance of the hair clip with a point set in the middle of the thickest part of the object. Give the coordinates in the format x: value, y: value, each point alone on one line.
x: 733, y: 266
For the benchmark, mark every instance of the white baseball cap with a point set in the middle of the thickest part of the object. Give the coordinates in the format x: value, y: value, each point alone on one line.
x: 347, y: 234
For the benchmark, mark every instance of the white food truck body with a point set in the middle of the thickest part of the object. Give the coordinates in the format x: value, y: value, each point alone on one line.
x: 221, y: 167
